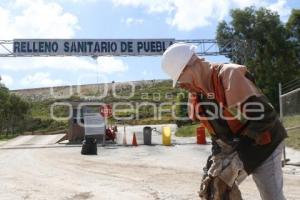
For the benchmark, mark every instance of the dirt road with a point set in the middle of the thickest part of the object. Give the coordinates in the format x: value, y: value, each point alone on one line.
x: 143, y: 172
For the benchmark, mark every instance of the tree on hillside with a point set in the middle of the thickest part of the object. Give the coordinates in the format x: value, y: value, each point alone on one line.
x: 260, y: 41
x: 4, y: 103
x: 13, y: 112
x: 18, y: 111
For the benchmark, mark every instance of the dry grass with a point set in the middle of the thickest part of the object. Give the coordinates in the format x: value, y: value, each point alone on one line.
x: 294, y: 135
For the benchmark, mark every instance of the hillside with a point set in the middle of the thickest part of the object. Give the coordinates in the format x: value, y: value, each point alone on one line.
x: 154, y: 88
x: 148, y: 102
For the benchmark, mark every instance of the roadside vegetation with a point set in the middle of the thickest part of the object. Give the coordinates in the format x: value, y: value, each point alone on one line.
x: 293, y: 139
x: 14, y: 114
x: 20, y: 116
x: 187, y: 130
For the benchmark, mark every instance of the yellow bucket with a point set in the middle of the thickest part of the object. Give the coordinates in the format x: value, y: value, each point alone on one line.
x: 166, y: 135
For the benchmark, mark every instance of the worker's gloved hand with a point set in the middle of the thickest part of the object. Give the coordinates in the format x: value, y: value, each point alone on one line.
x: 260, y: 139
x: 264, y: 138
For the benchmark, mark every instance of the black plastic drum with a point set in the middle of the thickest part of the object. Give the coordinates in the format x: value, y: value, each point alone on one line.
x: 147, y: 133
x: 89, y: 146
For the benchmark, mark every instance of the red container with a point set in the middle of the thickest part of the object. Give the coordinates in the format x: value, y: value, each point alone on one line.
x: 201, y: 139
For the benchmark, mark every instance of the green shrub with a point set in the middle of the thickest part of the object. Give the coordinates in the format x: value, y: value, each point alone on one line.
x: 187, y: 131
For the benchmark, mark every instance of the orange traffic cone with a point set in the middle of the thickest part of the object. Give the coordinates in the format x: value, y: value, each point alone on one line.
x: 134, y: 142
x: 201, y: 139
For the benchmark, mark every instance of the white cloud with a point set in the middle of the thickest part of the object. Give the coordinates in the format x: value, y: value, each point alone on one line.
x: 40, y: 79
x: 110, y: 65
x: 147, y: 74
x: 36, y: 19
x: 191, y: 14
x: 195, y: 14
x: 107, y: 65
x: 245, y: 3
x: 282, y: 8
x: 60, y: 65
x: 132, y: 21
x: 184, y: 15
x: 7, y: 80
x: 153, y: 6
x: 78, y: 1
x: 279, y: 6
x: 46, y: 19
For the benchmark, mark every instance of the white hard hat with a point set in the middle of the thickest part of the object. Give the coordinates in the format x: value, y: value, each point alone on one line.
x: 175, y: 58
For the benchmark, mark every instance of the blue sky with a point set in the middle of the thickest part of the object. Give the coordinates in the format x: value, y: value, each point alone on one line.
x: 179, y: 19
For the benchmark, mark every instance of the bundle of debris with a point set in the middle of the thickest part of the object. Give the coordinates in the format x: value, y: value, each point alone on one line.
x: 222, y: 174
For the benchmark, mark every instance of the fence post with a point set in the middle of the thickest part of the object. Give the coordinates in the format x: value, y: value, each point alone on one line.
x: 281, y: 119
x: 280, y: 102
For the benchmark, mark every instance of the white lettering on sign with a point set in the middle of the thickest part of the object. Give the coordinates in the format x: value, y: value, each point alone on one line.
x: 90, y: 47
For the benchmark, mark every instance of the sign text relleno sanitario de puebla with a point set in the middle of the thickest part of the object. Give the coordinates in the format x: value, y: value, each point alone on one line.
x: 90, y: 47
